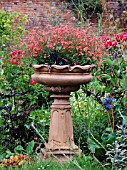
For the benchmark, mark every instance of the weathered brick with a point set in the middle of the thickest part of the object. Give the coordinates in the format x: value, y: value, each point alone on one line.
x: 40, y: 11
x: 37, y: 10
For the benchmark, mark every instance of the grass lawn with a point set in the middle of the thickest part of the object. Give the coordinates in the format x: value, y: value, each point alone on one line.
x: 79, y: 163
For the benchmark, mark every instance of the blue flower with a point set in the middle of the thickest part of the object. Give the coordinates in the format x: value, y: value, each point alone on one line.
x: 108, y: 107
x: 107, y: 104
x: 109, y: 99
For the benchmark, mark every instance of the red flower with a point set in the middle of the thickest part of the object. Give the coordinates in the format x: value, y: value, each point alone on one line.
x: 35, y: 138
x: 32, y: 82
x: 14, y: 62
x: 114, y: 43
x: 16, y: 56
x: 92, y: 90
x: 121, y: 37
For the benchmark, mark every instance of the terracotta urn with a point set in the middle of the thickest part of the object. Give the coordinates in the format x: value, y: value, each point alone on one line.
x: 61, y: 80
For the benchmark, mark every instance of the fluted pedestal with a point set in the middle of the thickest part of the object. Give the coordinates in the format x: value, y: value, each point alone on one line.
x: 61, y: 140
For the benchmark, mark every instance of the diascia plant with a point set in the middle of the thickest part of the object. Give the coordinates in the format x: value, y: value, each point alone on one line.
x: 65, y: 45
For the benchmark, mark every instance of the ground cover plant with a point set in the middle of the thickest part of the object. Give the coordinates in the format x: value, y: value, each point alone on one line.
x: 99, y: 109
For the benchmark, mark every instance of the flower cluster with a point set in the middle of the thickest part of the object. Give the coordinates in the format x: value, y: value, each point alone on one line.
x: 121, y: 37
x: 108, y: 103
x: 116, y: 45
x: 65, y: 45
x: 118, y: 39
x: 16, y: 56
x: 109, y: 43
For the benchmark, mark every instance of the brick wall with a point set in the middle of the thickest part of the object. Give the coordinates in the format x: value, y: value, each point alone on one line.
x: 115, y: 14
x: 40, y: 12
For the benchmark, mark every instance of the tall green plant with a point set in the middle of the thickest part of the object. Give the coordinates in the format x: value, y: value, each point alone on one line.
x: 86, y: 10
x: 11, y: 27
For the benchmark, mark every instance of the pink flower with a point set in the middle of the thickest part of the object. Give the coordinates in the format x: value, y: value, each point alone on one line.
x: 69, y: 42
x: 86, y: 49
x: 98, y: 77
x: 72, y: 18
x: 45, y: 56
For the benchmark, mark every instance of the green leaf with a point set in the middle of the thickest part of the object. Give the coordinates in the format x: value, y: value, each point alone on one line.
x: 93, y: 145
x: 58, y: 48
x: 124, y: 119
x: 18, y: 149
x: 8, y: 153
x: 108, y: 137
x: 109, y: 62
x: 106, y: 76
x: 117, y: 108
x: 27, y: 126
x: 2, y: 156
x: 29, y: 148
x: 117, y: 20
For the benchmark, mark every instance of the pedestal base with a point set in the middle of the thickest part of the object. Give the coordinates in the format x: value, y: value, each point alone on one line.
x: 59, y: 155
x: 61, y: 142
